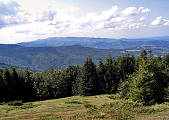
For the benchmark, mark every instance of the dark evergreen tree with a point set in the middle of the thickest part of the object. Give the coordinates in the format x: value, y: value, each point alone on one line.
x: 108, y: 74
x: 76, y: 85
x: 89, y: 79
x: 112, y: 75
x: 15, y: 87
x: 101, y: 78
x: 71, y: 75
x: 3, y: 87
x: 8, y: 84
x: 149, y: 84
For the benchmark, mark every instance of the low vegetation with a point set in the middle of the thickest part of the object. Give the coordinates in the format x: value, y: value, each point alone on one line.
x: 101, y: 107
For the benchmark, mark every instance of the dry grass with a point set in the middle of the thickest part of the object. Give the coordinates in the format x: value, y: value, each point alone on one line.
x: 74, y: 108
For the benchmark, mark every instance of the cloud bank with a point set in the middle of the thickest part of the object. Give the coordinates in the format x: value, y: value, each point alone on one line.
x: 18, y: 24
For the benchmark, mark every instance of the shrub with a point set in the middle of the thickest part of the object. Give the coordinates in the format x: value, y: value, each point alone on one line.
x: 114, y: 97
x: 73, y: 102
x: 86, y: 105
x: 15, y: 103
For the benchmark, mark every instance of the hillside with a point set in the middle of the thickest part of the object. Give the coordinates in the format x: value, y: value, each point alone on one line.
x: 102, y: 43
x: 2, y: 65
x: 40, y: 58
x: 102, y: 107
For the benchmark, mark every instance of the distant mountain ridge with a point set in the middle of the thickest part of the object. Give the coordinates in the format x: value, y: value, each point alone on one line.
x: 40, y: 58
x: 101, y: 43
x: 2, y: 65
x: 62, y: 52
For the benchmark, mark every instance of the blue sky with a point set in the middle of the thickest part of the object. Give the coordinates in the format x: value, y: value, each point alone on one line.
x: 28, y: 20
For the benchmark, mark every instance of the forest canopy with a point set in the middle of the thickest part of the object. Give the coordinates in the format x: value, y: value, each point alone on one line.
x: 143, y: 79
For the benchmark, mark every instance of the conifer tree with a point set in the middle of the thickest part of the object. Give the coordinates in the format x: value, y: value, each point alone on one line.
x: 148, y: 85
x: 89, y: 79
x: 112, y: 75
x: 8, y: 85
x: 15, y: 84
x: 2, y: 88
x: 101, y: 77
x: 109, y: 74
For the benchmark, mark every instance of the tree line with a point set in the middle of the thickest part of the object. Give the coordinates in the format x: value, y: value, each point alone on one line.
x: 144, y: 79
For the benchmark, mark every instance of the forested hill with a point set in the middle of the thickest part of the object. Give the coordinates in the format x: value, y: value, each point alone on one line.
x: 2, y: 65
x: 40, y: 58
x: 103, y: 43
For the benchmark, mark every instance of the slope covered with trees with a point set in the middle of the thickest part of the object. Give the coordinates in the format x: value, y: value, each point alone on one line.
x: 40, y: 58
x: 144, y: 79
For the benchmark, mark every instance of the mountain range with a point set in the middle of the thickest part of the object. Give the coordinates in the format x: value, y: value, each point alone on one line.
x: 61, y: 52
x: 102, y: 43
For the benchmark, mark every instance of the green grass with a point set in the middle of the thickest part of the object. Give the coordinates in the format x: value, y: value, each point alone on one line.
x: 102, y: 107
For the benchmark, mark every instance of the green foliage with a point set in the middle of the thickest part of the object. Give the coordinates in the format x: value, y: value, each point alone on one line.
x: 112, y: 75
x: 73, y: 102
x: 101, y: 70
x: 127, y: 66
x: 114, y: 97
x: 144, y: 80
x: 148, y: 85
x: 118, y: 110
x: 15, y: 103
x: 89, y: 78
x: 87, y: 105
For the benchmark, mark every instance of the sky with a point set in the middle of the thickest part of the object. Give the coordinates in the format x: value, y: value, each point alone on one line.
x: 29, y: 20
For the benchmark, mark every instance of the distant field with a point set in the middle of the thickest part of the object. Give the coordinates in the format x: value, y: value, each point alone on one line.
x: 102, y: 107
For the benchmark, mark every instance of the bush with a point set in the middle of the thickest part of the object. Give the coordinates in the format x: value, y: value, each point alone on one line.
x: 15, y: 103
x: 86, y: 105
x: 114, y: 97
x: 27, y: 106
x: 73, y: 102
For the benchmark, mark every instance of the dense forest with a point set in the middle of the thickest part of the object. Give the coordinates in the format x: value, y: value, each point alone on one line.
x: 41, y: 58
x: 144, y: 79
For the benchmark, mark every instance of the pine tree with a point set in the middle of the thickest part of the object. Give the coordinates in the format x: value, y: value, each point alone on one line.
x: 89, y: 79
x: 148, y: 85
x: 126, y: 65
x: 112, y: 75
x: 2, y: 88
x: 71, y: 76
x: 108, y: 74
x: 101, y: 78
x: 8, y: 84
x: 15, y: 87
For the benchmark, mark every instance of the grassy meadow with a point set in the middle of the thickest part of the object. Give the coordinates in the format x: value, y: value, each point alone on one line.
x: 101, y: 107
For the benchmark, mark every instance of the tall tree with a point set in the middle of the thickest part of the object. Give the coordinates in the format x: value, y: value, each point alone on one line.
x: 8, y: 84
x: 89, y: 79
x: 112, y: 75
x: 149, y: 84
x: 101, y: 77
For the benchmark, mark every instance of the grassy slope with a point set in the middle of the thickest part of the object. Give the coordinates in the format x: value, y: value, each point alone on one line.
x: 84, y: 108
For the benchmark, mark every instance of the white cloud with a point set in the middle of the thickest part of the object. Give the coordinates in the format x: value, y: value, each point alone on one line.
x: 8, y: 10
x: 129, y: 11
x: 142, y: 18
x: 20, y: 24
x: 8, y: 7
x: 157, y: 21
x: 112, y: 20
x: 146, y: 10
x: 133, y: 11
x: 108, y: 14
x: 166, y: 22
x: 160, y: 21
